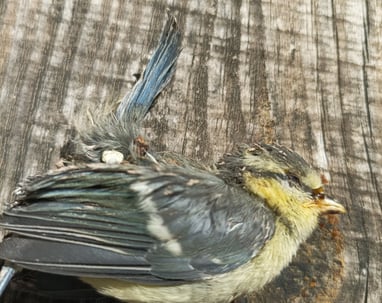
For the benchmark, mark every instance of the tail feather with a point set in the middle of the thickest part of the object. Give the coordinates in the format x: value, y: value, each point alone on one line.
x: 156, y: 76
x: 120, y: 131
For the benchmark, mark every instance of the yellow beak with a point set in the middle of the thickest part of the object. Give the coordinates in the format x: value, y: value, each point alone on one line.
x: 329, y: 206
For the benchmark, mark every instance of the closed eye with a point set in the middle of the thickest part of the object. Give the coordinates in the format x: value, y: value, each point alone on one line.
x: 293, y: 179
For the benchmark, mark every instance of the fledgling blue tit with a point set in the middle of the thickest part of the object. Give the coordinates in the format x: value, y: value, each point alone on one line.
x: 165, y: 229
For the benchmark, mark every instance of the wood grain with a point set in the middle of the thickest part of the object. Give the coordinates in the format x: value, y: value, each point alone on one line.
x: 306, y: 74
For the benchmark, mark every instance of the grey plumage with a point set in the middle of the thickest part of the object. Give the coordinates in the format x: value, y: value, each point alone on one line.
x: 156, y: 224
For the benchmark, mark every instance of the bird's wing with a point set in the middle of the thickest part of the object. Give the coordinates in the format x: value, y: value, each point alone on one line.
x: 151, y: 224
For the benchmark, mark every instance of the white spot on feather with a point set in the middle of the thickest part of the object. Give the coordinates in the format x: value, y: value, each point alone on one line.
x: 174, y: 247
x: 143, y: 189
x: 156, y: 227
x: 217, y: 261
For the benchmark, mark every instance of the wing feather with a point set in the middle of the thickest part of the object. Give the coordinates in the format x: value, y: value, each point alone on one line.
x: 156, y: 224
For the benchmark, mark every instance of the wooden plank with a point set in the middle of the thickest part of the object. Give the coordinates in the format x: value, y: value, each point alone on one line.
x: 306, y: 74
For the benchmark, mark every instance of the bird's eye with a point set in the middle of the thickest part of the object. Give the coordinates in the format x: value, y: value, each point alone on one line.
x: 293, y: 179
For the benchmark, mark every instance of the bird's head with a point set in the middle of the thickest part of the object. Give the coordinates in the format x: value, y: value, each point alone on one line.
x: 287, y: 183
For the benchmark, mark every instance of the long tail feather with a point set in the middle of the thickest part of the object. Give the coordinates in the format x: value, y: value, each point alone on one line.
x: 156, y: 76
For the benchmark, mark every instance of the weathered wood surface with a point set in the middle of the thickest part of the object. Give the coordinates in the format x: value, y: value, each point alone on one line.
x: 307, y: 74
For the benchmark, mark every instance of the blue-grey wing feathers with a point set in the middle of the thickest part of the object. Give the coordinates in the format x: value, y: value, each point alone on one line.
x: 153, y: 224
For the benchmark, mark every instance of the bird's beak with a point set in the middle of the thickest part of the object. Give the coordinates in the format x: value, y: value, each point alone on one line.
x: 329, y: 206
